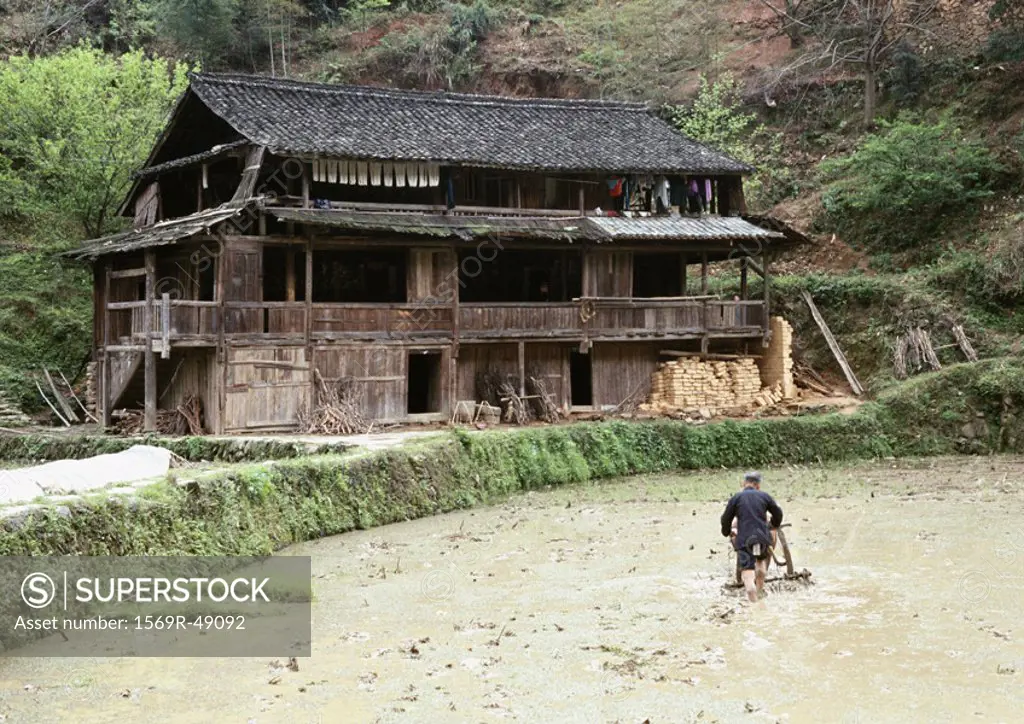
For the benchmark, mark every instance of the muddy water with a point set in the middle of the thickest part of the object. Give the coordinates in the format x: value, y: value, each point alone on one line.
x: 605, y: 604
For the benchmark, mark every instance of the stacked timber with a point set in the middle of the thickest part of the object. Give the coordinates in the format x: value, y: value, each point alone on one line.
x: 692, y: 384
x: 11, y: 416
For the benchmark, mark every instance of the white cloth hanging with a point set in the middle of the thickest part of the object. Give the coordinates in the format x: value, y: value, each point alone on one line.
x: 413, y: 169
x: 332, y: 172
x: 661, y: 192
x: 316, y: 170
x: 375, y: 174
x: 353, y: 173
x: 389, y: 174
x: 434, y: 174
x: 363, y: 173
x: 424, y: 172
x: 400, y: 175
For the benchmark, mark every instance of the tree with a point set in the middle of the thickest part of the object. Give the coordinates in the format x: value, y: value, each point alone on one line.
x: 716, y: 118
x: 860, y: 33
x: 205, y: 29
x: 75, y: 125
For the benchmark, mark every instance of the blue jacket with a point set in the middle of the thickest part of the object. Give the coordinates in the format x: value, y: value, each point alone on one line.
x: 749, y: 507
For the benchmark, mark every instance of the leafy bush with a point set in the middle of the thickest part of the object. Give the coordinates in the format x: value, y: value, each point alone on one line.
x: 905, y: 180
x: 1005, y: 45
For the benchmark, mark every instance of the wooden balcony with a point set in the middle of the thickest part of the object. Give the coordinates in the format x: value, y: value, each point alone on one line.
x: 191, y: 323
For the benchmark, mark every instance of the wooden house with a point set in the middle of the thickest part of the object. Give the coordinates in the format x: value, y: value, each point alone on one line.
x: 411, y: 242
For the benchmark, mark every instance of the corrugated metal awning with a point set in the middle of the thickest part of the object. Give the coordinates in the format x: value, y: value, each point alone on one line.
x: 680, y: 227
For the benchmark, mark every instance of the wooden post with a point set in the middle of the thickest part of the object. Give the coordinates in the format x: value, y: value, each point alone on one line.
x: 149, y: 419
x: 705, y: 341
x: 199, y: 189
x: 305, y: 186
x: 743, y: 278
x: 522, y: 369
x: 105, y: 400
x: 583, y: 201
x: 704, y: 273
x: 165, y: 326
x: 767, y: 295
x: 289, y: 273
x: 221, y: 355
x: 309, y: 291
x: 262, y: 223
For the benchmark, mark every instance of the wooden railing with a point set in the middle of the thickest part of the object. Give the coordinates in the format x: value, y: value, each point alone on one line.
x: 605, y: 318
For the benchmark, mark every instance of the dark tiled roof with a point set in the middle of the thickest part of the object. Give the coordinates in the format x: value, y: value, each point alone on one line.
x: 439, y: 225
x: 293, y: 118
x: 161, y: 234
x: 214, y: 152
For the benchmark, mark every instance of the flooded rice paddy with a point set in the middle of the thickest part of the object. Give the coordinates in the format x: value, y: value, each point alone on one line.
x: 605, y: 603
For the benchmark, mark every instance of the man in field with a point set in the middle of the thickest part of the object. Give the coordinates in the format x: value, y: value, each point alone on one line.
x: 751, y: 536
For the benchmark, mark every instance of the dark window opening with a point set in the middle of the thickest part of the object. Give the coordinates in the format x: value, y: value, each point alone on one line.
x: 284, y: 274
x: 520, y: 276
x: 581, y: 379
x: 424, y: 383
x: 657, y: 275
x: 368, y: 277
x: 205, y: 274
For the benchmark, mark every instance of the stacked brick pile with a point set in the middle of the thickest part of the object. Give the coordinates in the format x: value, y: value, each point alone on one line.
x: 777, y: 363
x: 11, y: 416
x: 690, y: 384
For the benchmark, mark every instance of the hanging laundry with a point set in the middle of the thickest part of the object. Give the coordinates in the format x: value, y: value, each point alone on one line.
x: 363, y: 173
x: 615, y: 187
x: 424, y: 171
x: 321, y: 203
x: 389, y: 174
x: 375, y: 173
x: 316, y: 170
x: 434, y: 174
x: 332, y: 172
x: 413, y: 171
x: 400, y: 175
x: 661, y: 195
x: 707, y: 194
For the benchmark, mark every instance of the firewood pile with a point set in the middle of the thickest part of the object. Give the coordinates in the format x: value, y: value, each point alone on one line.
x: 335, y: 410
x: 185, y: 419
x: 914, y: 351
x: 514, y: 406
x: 544, y: 407
x: 11, y: 416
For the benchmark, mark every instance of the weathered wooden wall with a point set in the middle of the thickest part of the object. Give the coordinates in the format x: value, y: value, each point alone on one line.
x: 193, y: 372
x: 379, y: 372
x: 550, y: 363
x: 265, y: 387
x: 502, y: 359
x: 620, y: 368
x: 428, y: 270
x: 607, y: 274
x: 243, y: 282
